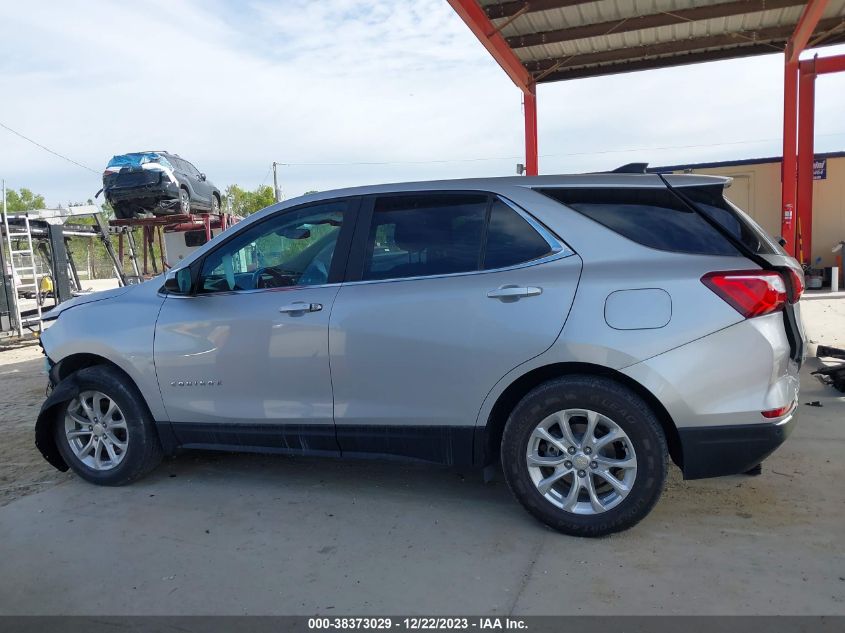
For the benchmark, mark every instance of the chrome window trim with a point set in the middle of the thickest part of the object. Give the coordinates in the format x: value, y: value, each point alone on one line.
x: 245, y: 291
x: 559, y: 250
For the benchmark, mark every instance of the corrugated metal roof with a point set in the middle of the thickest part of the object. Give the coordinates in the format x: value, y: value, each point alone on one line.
x: 563, y: 39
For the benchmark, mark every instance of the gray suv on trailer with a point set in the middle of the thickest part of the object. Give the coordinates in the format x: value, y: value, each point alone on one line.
x: 580, y: 330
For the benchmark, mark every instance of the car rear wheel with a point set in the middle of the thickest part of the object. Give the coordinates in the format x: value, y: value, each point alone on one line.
x: 585, y: 455
x: 215, y: 204
x: 105, y: 433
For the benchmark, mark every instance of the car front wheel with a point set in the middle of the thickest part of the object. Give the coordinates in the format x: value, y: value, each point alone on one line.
x: 585, y: 455
x: 105, y: 433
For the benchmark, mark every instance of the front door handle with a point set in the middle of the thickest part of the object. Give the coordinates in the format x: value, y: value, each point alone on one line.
x: 299, y: 307
x: 514, y: 293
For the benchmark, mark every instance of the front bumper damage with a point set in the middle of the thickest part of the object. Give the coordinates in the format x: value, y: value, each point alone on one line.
x: 48, y: 417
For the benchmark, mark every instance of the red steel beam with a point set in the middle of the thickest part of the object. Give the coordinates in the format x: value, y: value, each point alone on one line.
x: 804, y: 29
x: 478, y: 22
x: 806, y: 116
x: 487, y: 33
x: 649, y: 21
x: 510, y: 9
x: 789, y: 166
x: 823, y: 65
x: 807, y: 23
x: 809, y: 70
x: 531, y: 150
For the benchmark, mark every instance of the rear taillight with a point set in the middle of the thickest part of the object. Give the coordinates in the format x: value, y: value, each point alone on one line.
x: 797, y: 285
x: 752, y: 293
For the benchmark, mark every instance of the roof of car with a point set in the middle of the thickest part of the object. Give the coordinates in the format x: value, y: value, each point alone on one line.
x: 615, y: 180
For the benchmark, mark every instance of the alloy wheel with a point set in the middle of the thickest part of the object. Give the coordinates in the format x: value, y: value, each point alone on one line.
x: 96, y: 430
x: 581, y: 461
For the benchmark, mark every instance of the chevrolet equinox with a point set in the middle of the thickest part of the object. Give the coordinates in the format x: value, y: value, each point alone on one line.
x: 580, y: 330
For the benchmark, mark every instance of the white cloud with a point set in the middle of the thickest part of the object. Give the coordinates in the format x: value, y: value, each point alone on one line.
x: 234, y: 86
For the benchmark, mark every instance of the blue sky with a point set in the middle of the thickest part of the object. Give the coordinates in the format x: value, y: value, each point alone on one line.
x: 233, y: 86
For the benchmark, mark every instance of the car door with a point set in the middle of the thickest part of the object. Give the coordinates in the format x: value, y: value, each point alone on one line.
x: 243, y: 360
x: 447, y: 292
x: 202, y: 189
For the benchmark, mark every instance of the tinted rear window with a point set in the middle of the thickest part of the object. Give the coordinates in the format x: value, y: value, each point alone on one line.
x: 511, y: 240
x: 652, y: 217
x: 137, y: 159
x: 710, y: 199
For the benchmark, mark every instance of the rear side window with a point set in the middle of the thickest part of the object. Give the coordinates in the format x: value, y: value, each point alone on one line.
x: 652, y: 217
x: 711, y: 200
x: 421, y: 235
x: 511, y: 240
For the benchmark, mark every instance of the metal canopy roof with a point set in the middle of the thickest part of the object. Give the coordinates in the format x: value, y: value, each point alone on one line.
x: 565, y: 39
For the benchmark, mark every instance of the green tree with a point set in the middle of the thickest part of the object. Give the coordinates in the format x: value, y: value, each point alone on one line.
x: 23, y: 200
x: 247, y: 202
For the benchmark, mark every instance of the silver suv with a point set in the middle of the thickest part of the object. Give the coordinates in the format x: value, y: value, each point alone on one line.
x: 580, y: 330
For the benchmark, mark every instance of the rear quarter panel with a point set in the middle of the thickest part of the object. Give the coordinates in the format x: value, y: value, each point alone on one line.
x: 612, y: 263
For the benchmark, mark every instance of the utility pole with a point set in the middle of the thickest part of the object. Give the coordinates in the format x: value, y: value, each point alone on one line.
x: 277, y: 195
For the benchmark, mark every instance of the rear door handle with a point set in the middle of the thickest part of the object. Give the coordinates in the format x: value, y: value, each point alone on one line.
x: 298, y: 307
x: 514, y: 293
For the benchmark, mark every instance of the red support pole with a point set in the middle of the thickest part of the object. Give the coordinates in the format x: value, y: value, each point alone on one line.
x: 789, y: 166
x: 144, y: 247
x: 806, y: 116
x: 531, y: 151
x: 807, y: 23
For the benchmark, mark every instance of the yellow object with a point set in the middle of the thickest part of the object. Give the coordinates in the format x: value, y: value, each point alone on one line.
x: 46, y: 284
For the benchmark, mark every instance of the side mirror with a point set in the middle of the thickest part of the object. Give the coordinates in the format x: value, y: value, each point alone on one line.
x: 179, y: 282
x: 202, y: 177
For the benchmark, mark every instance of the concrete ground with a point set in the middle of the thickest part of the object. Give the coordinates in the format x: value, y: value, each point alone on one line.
x: 239, y: 534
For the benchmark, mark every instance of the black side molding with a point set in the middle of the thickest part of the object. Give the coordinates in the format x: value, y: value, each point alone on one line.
x: 449, y: 445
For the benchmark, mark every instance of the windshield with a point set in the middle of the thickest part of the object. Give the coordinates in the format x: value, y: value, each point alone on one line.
x: 137, y: 159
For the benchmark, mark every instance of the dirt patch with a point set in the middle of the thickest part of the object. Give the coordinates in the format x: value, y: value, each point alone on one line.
x: 23, y: 382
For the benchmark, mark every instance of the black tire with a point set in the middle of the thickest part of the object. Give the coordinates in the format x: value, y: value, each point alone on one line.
x: 608, y: 398
x: 143, y: 448
x: 184, y: 201
x: 215, y: 204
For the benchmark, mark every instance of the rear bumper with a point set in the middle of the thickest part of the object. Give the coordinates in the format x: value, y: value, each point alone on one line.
x: 156, y: 192
x: 713, y: 451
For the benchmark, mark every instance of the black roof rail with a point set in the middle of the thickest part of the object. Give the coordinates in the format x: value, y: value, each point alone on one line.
x: 631, y: 168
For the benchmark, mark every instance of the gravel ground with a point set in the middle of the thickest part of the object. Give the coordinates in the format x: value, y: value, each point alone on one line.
x: 22, y: 390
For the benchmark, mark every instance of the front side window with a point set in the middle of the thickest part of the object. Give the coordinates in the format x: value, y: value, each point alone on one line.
x: 292, y: 249
x: 417, y: 235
